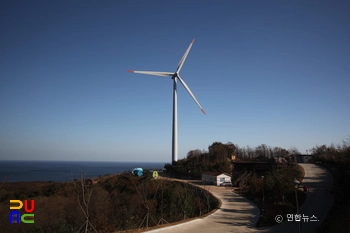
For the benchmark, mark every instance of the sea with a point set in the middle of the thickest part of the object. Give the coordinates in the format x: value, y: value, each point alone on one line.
x: 65, y: 171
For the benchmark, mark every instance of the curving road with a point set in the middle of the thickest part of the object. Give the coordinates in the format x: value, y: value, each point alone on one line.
x: 237, y: 214
x: 318, y: 202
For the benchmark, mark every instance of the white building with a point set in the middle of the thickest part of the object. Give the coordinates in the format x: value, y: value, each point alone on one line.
x: 216, y: 178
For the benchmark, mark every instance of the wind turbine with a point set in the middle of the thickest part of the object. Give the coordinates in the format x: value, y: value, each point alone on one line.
x: 174, y: 76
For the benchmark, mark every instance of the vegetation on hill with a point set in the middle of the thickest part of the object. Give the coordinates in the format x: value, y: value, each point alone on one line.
x: 279, y: 193
x: 115, y: 203
x: 276, y: 189
x: 337, y: 159
x: 123, y: 202
x: 219, y: 158
x: 273, y: 191
x: 216, y: 159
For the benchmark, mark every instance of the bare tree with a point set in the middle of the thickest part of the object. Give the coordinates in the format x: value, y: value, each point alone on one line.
x: 4, y: 180
x: 346, y: 142
x: 84, y: 191
x: 162, y: 220
x: 183, y: 196
x: 148, y: 204
x: 294, y: 151
x: 205, y: 192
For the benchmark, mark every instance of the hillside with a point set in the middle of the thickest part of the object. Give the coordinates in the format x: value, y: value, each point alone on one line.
x: 114, y: 203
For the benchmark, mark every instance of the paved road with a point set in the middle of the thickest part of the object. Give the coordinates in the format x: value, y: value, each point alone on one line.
x: 318, y: 202
x: 237, y: 214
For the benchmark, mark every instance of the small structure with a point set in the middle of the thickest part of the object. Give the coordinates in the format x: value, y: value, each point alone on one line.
x: 155, y: 174
x: 304, y: 158
x: 215, y: 178
x: 137, y: 172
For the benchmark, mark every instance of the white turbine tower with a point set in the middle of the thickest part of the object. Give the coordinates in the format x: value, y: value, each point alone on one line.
x: 174, y: 76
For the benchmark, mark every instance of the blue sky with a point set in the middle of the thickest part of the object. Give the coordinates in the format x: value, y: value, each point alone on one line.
x: 272, y: 72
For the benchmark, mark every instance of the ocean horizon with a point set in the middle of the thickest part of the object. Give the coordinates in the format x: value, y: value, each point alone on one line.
x: 65, y: 171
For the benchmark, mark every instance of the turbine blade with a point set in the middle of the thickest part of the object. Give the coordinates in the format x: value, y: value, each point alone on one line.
x: 190, y: 92
x: 184, y: 57
x: 152, y: 73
